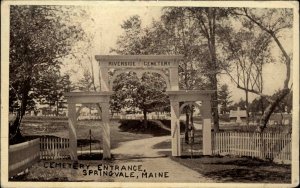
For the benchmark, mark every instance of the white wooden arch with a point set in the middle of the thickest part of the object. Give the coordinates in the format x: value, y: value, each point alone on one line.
x: 140, y: 64
x: 139, y: 73
x: 189, y: 103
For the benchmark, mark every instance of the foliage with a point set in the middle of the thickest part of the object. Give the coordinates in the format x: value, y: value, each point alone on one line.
x: 40, y: 37
x: 224, y: 99
x: 172, y: 34
x: 285, y: 105
x: 188, y: 31
x: 146, y: 94
x: 86, y: 82
x: 136, y: 126
x: 273, y: 22
x: 51, y: 88
x: 241, y: 104
x: 259, y: 104
x: 247, y: 50
x: 124, y: 86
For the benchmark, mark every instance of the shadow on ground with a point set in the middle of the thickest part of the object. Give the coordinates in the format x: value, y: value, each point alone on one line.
x: 236, y: 169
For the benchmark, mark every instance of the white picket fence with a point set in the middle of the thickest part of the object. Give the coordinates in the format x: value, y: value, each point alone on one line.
x: 274, y: 146
x: 54, y: 148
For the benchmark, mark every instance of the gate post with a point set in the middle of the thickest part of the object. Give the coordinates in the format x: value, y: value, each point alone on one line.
x: 206, y: 127
x: 72, y: 130
x: 105, y: 130
x: 175, y: 128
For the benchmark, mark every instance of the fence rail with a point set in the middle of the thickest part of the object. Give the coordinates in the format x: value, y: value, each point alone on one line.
x: 273, y: 146
x: 23, y: 156
x: 54, y: 148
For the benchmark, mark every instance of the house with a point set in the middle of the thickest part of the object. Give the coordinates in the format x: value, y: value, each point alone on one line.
x: 238, y: 116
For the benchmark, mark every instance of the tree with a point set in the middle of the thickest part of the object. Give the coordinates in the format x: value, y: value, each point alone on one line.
x: 150, y: 95
x: 174, y: 33
x: 210, y: 22
x: 86, y: 82
x: 51, y: 89
x: 124, y: 85
x: 131, y: 42
x: 224, y: 99
x: 247, y: 50
x: 177, y: 33
x: 146, y: 94
x: 258, y: 105
x: 286, y: 105
x: 40, y: 37
x: 273, y: 22
x: 242, y: 104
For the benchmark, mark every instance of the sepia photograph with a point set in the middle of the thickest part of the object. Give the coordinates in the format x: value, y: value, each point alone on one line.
x: 172, y: 94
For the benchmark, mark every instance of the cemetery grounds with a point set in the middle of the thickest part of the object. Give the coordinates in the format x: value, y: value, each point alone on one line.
x: 228, y: 169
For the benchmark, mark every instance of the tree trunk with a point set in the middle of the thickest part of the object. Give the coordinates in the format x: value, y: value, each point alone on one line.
x: 215, y: 112
x: 145, y: 119
x: 15, y: 134
x: 214, y: 105
x: 247, y: 107
x: 262, y: 105
x: 213, y: 70
x: 271, y: 107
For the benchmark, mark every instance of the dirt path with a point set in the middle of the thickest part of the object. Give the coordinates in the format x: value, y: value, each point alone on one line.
x: 139, y: 148
x: 140, y: 152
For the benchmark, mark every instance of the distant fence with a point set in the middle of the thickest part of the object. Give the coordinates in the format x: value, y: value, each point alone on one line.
x: 139, y: 116
x: 23, y: 156
x: 54, y: 148
x: 273, y: 146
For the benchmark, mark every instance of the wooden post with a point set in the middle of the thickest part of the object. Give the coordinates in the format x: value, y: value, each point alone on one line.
x: 206, y: 128
x: 72, y: 130
x: 105, y: 130
x: 175, y: 128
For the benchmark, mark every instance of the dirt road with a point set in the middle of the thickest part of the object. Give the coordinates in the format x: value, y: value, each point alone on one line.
x: 140, y: 152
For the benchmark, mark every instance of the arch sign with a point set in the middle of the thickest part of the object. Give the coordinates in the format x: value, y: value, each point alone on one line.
x: 167, y: 67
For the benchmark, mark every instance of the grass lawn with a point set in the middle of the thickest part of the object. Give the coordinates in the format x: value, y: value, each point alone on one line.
x: 60, y: 129
x: 38, y: 173
x: 229, y: 169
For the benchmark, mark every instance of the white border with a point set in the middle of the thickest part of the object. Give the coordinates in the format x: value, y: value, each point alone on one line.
x: 254, y: 4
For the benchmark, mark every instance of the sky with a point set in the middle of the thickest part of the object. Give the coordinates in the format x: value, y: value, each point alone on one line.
x: 107, y: 28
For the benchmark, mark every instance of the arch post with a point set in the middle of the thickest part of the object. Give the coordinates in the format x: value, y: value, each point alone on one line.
x: 206, y: 128
x: 72, y: 130
x: 175, y: 128
x: 105, y: 130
